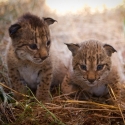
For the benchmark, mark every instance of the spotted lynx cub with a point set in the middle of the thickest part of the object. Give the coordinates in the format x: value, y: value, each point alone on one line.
x: 92, y: 69
x: 28, y: 58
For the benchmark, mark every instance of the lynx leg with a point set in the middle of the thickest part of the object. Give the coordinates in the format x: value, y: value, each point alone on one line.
x: 17, y: 84
x: 66, y: 87
x: 43, y: 89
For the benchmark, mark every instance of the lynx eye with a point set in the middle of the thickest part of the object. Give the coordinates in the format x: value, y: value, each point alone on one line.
x: 100, y: 67
x: 48, y: 43
x: 33, y: 46
x: 83, y: 67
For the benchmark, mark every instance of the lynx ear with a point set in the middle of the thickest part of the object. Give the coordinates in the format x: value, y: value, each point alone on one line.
x: 109, y: 49
x: 73, y: 48
x: 49, y: 20
x: 13, y: 29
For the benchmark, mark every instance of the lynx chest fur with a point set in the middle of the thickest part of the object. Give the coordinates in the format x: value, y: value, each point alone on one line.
x: 28, y: 59
x: 30, y: 75
x: 92, y: 69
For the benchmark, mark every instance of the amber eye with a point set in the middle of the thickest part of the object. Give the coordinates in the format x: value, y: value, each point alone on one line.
x: 48, y: 43
x: 33, y: 46
x: 100, y: 67
x: 83, y: 67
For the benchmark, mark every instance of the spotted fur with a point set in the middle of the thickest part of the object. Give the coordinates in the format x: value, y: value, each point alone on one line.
x: 28, y: 58
x: 92, y: 69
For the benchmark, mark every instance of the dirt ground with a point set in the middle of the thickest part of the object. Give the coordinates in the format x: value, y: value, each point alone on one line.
x: 107, y: 27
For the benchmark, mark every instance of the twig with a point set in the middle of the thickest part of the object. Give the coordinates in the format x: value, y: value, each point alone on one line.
x: 94, y: 103
x: 13, y: 90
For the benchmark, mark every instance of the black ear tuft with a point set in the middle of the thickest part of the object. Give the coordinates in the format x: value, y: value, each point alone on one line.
x: 73, y: 48
x: 13, y: 29
x: 49, y: 20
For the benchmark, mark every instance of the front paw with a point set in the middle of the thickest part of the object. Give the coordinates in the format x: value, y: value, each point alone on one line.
x: 44, y: 97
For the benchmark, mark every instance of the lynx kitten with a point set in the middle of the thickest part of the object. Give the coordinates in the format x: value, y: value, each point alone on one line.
x: 28, y: 58
x: 92, y: 69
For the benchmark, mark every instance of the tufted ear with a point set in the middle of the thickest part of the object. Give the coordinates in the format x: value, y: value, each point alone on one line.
x: 73, y: 48
x: 13, y: 29
x: 49, y: 20
x: 109, y: 49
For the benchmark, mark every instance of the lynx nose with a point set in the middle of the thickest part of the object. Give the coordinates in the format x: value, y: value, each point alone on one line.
x: 44, y: 57
x: 91, y: 76
x: 91, y: 80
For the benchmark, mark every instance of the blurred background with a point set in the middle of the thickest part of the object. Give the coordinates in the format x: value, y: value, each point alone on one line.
x: 78, y: 20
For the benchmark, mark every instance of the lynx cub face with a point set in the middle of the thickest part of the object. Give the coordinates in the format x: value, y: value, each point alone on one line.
x: 92, y: 61
x: 28, y: 58
x: 91, y: 67
x: 31, y: 38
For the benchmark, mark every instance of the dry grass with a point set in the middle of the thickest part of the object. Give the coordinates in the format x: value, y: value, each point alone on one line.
x: 64, y: 110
